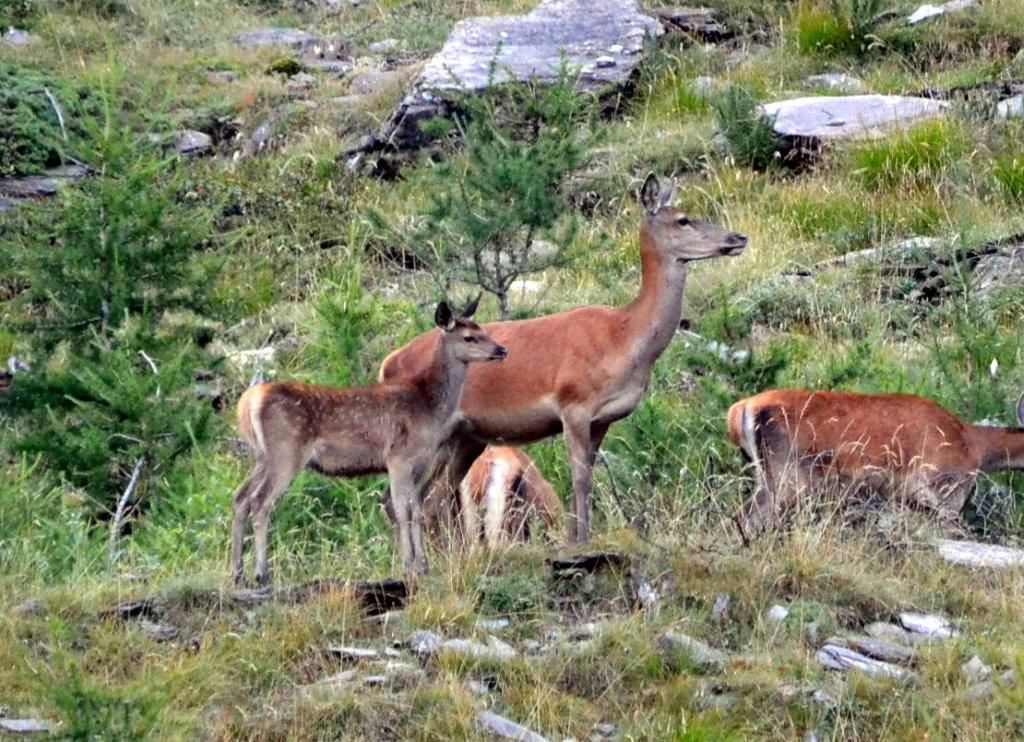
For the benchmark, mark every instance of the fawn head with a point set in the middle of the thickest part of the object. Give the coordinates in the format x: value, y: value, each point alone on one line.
x: 676, y: 236
x: 468, y: 340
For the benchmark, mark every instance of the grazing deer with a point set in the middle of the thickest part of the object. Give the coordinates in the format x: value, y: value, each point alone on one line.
x: 901, y: 445
x: 393, y: 427
x: 501, y: 492
x: 574, y: 372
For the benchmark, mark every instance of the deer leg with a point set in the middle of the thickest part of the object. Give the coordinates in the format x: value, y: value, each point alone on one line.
x: 242, y: 504
x: 576, y: 428
x: 470, y: 517
x: 441, y: 503
x: 778, y: 477
x: 265, y: 498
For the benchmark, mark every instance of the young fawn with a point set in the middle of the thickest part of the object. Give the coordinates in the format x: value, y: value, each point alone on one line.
x: 388, y: 427
x: 905, y: 446
x: 502, y: 491
x: 574, y: 372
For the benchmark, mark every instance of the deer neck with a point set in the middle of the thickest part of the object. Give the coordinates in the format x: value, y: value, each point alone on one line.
x: 998, y: 449
x: 653, y: 316
x: 443, y: 382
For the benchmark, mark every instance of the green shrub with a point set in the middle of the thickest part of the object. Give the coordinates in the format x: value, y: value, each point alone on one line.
x: 1009, y: 174
x: 30, y: 133
x: 90, y: 710
x: 841, y: 27
x: 749, y: 135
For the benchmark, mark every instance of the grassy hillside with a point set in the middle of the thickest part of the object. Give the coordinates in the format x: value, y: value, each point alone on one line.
x: 136, y: 294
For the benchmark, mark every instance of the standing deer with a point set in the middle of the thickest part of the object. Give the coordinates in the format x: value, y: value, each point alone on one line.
x: 394, y: 427
x: 902, y: 445
x: 574, y: 372
x: 502, y: 491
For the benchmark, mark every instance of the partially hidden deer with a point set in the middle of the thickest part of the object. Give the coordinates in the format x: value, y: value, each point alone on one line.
x: 903, y: 446
x: 394, y: 427
x: 500, y: 496
x: 574, y: 372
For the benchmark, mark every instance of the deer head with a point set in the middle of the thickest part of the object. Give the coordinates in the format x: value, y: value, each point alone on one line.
x: 466, y: 338
x: 677, y: 237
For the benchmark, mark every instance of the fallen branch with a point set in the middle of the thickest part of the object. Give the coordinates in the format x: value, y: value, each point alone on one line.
x: 122, y: 506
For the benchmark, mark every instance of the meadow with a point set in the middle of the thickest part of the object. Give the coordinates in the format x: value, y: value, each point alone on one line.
x: 147, y: 296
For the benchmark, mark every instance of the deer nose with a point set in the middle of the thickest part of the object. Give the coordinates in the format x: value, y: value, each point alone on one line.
x: 735, y: 243
x: 499, y: 353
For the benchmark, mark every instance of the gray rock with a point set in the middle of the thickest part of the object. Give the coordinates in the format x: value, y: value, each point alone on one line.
x: 892, y: 632
x: 336, y: 67
x: 989, y: 688
x: 300, y: 82
x: 499, y: 726
x: 925, y: 12
x: 158, y: 632
x: 928, y: 624
x: 353, y: 654
x: 424, y: 642
x: 603, y: 39
x: 6, y: 204
x: 192, y: 143
x: 478, y: 688
x: 875, y: 648
x: 837, y: 82
x: 696, y: 22
x: 267, y: 133
x: 492, y: 624
x: 975, y: 671
x: 992, y: 274
x: 531, y: 646
x: 41, y: 186
x: 375, y: 681
x: 494, y: 649
x: 776, y: 614
x: 699, y: 653
x: 843, y: 659
x: 832, y: 118
x: 284, y: 37
x: 605, y: 730
x: 24, y: 726
x: 17, y: 37
x: 372, y: 82
x: 384, y: 45
x: 1011, y: 107
x: 584, y: 631
x: 720, y: 608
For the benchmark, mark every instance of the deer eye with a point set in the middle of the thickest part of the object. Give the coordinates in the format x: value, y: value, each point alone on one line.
x: 469, y: 339
x: 682, y: 221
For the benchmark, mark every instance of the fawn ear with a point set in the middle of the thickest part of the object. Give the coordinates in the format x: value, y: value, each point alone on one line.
x: 649, y: 193
x: 1020, y: 410
x: 470, y: 309
x: 667, y: 195
x: 443, y: 317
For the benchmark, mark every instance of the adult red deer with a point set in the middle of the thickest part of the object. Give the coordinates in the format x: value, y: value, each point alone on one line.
x: 394, y: 427
x: 902, y: 445
x: 501, y: 493
x: 574, y: 372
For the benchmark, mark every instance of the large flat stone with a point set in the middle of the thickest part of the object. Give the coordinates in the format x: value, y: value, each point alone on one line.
x: 832, y: 118
x: 602, y: 40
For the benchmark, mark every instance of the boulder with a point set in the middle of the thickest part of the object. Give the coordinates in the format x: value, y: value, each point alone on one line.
x: 776, y: 614
x: 834, y: 118
x: 192, y: 143
x: 424, y: 642
x: 844, y: 660
x: 925, y: 12
x: 928, y: 624
x: 602, y: 39
x: 996, y: 274
x: 17, y: 37
x: 1011, y: 107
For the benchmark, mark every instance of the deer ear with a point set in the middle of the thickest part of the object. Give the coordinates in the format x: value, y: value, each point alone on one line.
x: 443, y: 317
x: 470, y: 309
x: 649, y: 194
x: 667, y: 195
x: 1020, y: 410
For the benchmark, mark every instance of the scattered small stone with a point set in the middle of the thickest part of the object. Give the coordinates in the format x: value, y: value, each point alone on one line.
x: 495, y: 649
x: 975, y: 671
x: 17, y: 37
x: 892, y: 632
x: 1011, y: 107
x: 928, y: 624
x: 606, y: 730
x: 354, y: 654
x: 384, y: 45
x: 424, y: 642
x: 989, y: 688
x: 843, y: 659
x: 506, y: 729
x: 192, y: 143
x: 300, y: 82
x: 698, y: 652
x: 264, y: 37
x: 836, y: 82
x: 776, y: 614
x: 24, y: 726
x: 720, y: 608
x: 492, y: 624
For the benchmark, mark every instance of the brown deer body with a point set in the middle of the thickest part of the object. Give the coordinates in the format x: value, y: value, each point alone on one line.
x: 501, y: 493
x: 902, y: 445
x: 574, y: 372
x: 393, y: 427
